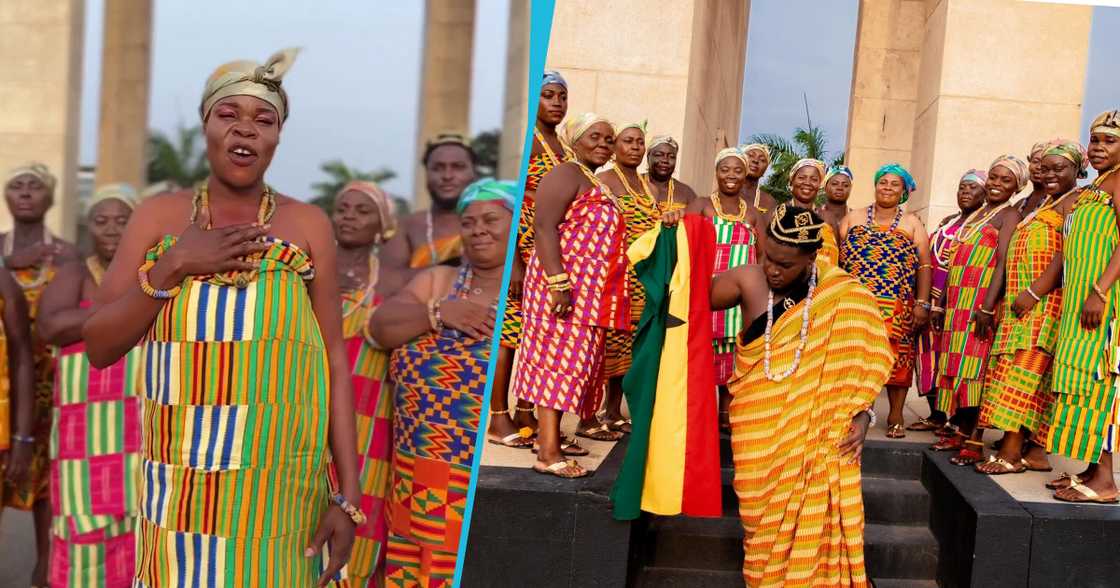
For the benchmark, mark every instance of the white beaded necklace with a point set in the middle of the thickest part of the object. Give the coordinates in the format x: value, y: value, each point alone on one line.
x: 804, y: 331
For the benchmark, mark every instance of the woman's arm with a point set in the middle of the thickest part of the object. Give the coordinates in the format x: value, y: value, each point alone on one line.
x: 556, y: 192
x: 60, y: 314
x: 404, y: 317
x: 725, y: 292
x: 1092, y: 312
x: 21, y: 371
x: 1008, y: 222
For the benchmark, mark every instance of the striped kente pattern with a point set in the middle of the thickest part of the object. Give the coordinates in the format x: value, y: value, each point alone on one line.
x: 929, y: 340
x: 885, y: 261
x: 964, y: 355
x: 736, y: 245
x: 440, y: 379
x: 640, y: 214
x: 560, y: 361
x: 539, y: 165
x: 1017, y: 385
x: 95, y: 470
x: 36, y: 484
x: 235, y: 416
x: 800, y: 501
x: 373, y: 408
x: 1085, y: 362
x: 830, y: 249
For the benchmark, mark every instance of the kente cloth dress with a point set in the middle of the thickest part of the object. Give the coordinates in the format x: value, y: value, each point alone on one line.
x: 736, y: 244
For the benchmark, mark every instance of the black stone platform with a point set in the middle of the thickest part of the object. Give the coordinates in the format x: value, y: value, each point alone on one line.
x: 926, y: 518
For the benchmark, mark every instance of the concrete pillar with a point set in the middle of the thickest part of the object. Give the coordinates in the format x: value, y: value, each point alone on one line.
x: 125, y: 78
x: 41, y: 45
x: 516, y: 103
x: 884, y: 89
x: 997, y: 76
x: 685, y: 76
x: 445, y: 84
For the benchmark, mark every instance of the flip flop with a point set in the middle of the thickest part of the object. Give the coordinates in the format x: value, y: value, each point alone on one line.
x: 924, y: 425
x: 1006, y: 466
x: 621, y: 425
x: 1064, y: 480
x: 556, y: 468
x: 510, y: 441
x: 600, y: 433
x: 948, y: 444
x: 895, y: 432
x: 1088, y: 495
x: 568, y: 447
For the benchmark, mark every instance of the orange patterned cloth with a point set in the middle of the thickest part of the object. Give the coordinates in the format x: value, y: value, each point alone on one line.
x: 799, y: 499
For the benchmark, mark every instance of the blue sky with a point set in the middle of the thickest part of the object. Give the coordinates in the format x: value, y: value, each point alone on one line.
x: 354, y: 88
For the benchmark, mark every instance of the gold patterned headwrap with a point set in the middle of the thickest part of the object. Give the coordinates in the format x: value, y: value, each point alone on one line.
x: 663, y: 140
x: 1018, y: 168
x: 576, y: 126
x: 757, y: 147
x: 39, y: 170
x: 1043, y: 146
x: 641, y: 126
x: 1107, y: 123
x: 731, y: 152
x: 123, y: 192
x: 380, y: 201
x: 807, y: 162
x: 796, y: 226
x: 1073, y: 152
x: 248, y: 78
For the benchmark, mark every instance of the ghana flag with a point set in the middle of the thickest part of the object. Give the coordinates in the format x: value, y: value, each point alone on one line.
x: 672, y: 462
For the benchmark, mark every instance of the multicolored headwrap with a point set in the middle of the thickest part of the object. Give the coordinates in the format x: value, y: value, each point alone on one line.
x: 380, y: 201
x: 756, y: 147
x: 807, y: 162
x: 1074, y: 152
x: 908, y: 183
x: 576, y: 126
x: 793, y: 225
x: 731, y: 152
x: 248, y: 78
x: 1043, y: 146
x: 1018, y: 168
x: 838, y: 170
x: 1107, y: 123
x: 641, y: 126
x: 976, y: 176
x: 553, y: 77
x: 39, y: 170
x: 663, y: 140
x: 123, y: 192
x: 488, y: 190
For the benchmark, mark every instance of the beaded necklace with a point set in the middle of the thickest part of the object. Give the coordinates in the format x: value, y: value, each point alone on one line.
x: 1046, y: 204
x: 739, y: 217
x: 41, y: 275
x: 96, y: 270
x: 804, y: 330
x: 668, y: 204
x: 548, y: 152
x: 894, y: 223
x: 371, y: 283
x: 646, y: 197
x: 267, y: 208
x: 596, y: 182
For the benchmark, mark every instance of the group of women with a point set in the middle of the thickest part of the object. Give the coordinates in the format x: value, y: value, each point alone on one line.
x: 1004, y: 313
x: 222, y: 394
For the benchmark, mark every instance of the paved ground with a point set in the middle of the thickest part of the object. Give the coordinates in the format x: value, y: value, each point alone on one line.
x: 17, y: 554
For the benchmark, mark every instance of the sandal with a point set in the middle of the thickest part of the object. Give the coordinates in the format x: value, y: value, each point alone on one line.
x: 895, y: 432
x: 1088, y: 495
x: 967, y: 455
x: 953, y: 443
x: 623, y: 426
x: 947, y: 430
x: 1064, y: 480
x: 924, y: 425
x: 1005, y: 466
x: 600, y: 433
x: 568, y: 447
x: 519, y: 440
x: 557, y: 468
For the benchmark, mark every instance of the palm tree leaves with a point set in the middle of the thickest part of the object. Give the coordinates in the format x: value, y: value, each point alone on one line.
x: 339, y: 174
x: 179, y: 158
x: 811, y: 142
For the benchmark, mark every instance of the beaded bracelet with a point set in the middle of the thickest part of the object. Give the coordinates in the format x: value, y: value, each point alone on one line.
x: 1036, y: 297
x: 23, y: 438
x: 1097, y: 290
x: 146, y: 286
x: 434, y: 318
x: 560, y: 287
x: 351, y: 510
x: 558, y: 278
x: 987, y: 312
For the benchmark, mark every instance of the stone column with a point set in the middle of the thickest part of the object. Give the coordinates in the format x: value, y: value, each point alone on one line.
x: 997, y: 76
x: 41, y: 45
x: 445, y: 83
x: 125, y: 74
x: 884, y: 89
x: 516, y: 110
x: 678, y: 63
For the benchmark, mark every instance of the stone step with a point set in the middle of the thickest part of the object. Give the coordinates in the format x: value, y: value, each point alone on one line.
x: 895, y: 501
x: 903, y: 583
x: 900, y: 551
x: 889, y: 459
x: 685, y: 578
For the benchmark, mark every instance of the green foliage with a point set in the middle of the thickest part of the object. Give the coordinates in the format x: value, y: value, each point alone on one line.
x: 811, y: 143
x: 339, y: 174
x: 487, y: 146
x: 180, y: 159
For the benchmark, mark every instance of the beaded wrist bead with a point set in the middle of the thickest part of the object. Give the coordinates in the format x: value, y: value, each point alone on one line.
x: 23, y: 438
x: 146, y: 286
x: 1097, y: 290
x: 434, y: 319
x: 351, y: 510
x: 558, y: 278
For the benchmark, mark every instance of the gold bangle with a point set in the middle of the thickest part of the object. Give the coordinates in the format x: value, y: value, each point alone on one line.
x: 557, y: 279
x: 435, y: 321
x: 1031, y: 293
x: 560, y: 287
x: 146, y: 286
x: 987, y: 312
x: 1097, y: 290
x: 925, y: 266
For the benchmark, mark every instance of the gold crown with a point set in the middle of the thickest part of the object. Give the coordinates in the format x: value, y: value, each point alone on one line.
x: 804, y: 230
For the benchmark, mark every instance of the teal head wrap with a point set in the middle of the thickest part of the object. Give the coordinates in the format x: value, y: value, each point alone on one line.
x: 488, y: 190
x: 908, y: 183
